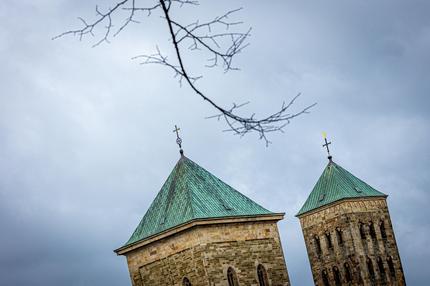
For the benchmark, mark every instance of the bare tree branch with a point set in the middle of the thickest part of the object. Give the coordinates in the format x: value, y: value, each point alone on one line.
x: 214, y: 37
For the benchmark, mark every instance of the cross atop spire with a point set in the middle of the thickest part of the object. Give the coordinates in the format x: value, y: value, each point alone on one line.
x: 178, y: 140
x: 326, y: 145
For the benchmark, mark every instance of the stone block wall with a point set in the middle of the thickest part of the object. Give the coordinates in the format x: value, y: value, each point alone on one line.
x: 204, y: 253
x: 352, y: 242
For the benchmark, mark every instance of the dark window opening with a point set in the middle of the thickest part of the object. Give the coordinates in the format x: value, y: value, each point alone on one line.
x: 262, y: 276
x: 336, y: 273
x: 328, y: 238
x: 391, y: 267
x: 348, y: 276
x: 381, y: 269
x: 317, y: 245
x: 325, y: 278
x: 382, y: 229
x: 339, y: 236
x: 231, y: 277
x: 370, y: 269
x: 186, y: 282
x: 372, y: 230
x: 362, y: 232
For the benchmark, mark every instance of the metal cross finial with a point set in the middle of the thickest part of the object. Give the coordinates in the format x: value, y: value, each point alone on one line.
x: 326, y: 145
x: 178, y: 140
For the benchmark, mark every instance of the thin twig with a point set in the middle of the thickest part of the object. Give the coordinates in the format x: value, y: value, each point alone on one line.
x: 218, y: 37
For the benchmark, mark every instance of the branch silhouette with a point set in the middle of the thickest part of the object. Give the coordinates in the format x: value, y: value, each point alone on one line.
x: 215, y: 37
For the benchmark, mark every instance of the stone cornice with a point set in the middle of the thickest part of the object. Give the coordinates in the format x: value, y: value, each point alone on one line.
x: 197, y: 222
x: 335, y: 203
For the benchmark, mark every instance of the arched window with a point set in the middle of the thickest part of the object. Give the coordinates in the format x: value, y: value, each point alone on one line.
x: 362, y: 231
x: 231, y: 277
x: 325, y: 278
x: 336, y: 273
x: 372, y: 231
x: 262, y: 276
x: 339, y: 236
x: 186, y: 282
x: 348, y: 276
x: 370, y: 269
x: 382, y: 230
x: 328, y: 239
x: 391, y: 266
x: 317, y: 245
x: 381, y: 269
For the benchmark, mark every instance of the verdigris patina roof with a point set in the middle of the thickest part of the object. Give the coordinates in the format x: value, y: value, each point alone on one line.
x: 191, y: 193
x: 336, y: 184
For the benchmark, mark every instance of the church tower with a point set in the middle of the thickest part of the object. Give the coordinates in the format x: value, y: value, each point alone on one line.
x: 348, y: 233
x: 200, y: 231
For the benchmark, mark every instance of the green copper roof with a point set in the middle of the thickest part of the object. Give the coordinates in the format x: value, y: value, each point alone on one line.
x: 190, y: 192
x: 335, y: 184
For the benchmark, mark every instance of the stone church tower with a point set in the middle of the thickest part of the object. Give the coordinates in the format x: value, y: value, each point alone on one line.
x: 348, y: 233
x: 200, y: 231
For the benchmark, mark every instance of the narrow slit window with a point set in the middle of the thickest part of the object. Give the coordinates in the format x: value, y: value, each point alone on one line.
x: 337, y: 279
x: 370, y: 269
x: 328, y: 238
x: 348, y: 276
x: 362, y: 231
x: 325, y: 278
x: 382, y: 230
x: 317, y: 245
x: 232, y: 277
x: 372, y: 231
x: 381, y: 269
x: 339, y: 236
x: 262, y: 276
x: 391, y: 266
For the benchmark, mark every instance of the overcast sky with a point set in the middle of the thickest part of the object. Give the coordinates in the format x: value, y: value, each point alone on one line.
x: 86, y: 137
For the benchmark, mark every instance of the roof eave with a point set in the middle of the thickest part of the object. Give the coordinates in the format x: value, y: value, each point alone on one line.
x: 197, y: 222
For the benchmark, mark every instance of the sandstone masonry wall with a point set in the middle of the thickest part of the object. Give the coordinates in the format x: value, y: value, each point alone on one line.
x: 204, y: 253
x: 352, y: 243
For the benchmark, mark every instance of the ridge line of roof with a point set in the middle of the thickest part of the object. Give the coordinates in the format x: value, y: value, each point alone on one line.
x: 171, y: 189
x: 189, y: 192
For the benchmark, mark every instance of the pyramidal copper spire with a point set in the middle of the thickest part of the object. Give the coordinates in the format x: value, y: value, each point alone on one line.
x: 179, y: 140
x: 326, y: 145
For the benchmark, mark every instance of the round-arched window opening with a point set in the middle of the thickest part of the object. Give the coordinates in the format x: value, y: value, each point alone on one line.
x: 262, y: 276
x: 186, y: 282
x: 325, y: 278
x: 232, y: 277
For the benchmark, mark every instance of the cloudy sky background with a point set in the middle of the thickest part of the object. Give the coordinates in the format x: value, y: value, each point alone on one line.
x: 86, y: 136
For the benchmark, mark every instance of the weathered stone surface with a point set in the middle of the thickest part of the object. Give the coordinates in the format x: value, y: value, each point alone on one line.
x: 356, y: 234
x: 204, y: 253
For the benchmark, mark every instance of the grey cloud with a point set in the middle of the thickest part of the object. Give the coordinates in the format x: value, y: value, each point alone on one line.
x: 86, y: 141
